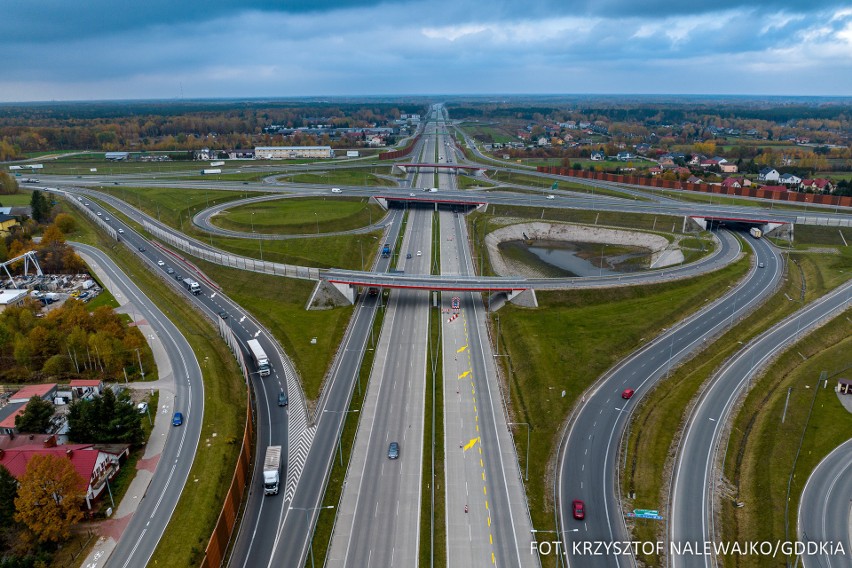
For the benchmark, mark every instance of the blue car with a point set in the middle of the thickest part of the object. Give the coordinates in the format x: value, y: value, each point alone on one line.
x: 177, y: 420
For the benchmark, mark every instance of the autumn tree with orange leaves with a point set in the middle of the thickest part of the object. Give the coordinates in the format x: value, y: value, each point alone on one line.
x: 49, y: 498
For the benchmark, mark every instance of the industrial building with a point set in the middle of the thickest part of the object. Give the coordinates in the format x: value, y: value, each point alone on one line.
x: 291, y: 152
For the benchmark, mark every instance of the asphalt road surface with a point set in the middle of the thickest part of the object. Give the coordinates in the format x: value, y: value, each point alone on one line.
x: 587, y: 465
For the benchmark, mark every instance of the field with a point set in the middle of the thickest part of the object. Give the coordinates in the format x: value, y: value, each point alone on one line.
x: 339, y: 176
x: 301, y: 215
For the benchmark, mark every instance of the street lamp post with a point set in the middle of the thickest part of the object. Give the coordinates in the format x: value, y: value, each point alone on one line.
x: 340, y: 431
x: 316, y: 218
x: 527, y: 466
x: 307, y: 510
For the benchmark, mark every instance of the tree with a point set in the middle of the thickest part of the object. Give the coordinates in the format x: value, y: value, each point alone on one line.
x: 49, y: 498
x: 65, y: 223
x: 105, y: 419
x: 36, y: 417
x: 39, y: 206
x: 8, y: 184
x: 8, y: 492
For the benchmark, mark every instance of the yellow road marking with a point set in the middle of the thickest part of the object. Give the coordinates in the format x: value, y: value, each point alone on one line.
x: 462, y: 348
x: 463, y: 375
x: 471, y: 444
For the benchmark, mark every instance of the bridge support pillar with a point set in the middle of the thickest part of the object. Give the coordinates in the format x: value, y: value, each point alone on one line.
x: 327, y: 295
x: 525, y: 298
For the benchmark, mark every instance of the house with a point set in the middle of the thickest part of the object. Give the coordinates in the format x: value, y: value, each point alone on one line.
x: 708, y: 163
x: 666, y: 163
x: 598, y: 156
x: 775, y: 188
x: 17, y: 403
x: 695, y: 160
x: 242, y: 154
x: 95, y: 464
x: 728, y: 167
x: 625, y: 156
x: 819, y: 184
x: 86, y: 388
x: 694, y: 179
x: 768, y: 174
x: 543, y: 141
x: 642, y: 148
x: 655, y: 171
x: 790, y: 179
x: 731, y: 182
x: 7, y: 224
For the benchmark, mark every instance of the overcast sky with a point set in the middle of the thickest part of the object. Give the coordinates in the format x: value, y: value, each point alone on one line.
x: 99, y: 49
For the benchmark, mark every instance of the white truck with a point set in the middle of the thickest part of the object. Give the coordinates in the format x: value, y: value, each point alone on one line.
x: 260, y: 358
x: 271, y: 470
x: 208, y: 171
x: 192, y: 286
x: 755, y: 232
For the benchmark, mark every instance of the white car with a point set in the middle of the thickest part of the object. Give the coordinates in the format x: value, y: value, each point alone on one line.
x: 419, y: 253
x: 106, y: 219
x: 99, y: 213
x: 160, y: 263
x: 551, y: 197
x: 336, y: 190
x: 121, y: 231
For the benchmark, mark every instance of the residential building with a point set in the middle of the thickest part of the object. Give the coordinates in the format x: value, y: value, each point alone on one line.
x: 790, y: 179
x: 94, y: 463
x: 598, y: 156
x: 7, y: 224
x: 625, y: 156
x: 728, y: 167
x: 768, y: 174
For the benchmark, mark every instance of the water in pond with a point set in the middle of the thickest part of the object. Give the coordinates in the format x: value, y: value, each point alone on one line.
x: 562, y: 258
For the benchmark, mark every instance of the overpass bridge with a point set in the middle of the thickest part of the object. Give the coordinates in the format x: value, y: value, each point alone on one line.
x: 455, y: 167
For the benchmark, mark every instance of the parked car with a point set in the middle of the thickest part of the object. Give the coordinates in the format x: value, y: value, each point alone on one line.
x: 142, y: 407
x: 177, y: 419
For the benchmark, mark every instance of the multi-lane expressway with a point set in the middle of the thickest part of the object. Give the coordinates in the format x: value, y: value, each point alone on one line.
x: 695, y: 475
x: 588, y: 458
x: 278, y: 534
x: 825, y: 512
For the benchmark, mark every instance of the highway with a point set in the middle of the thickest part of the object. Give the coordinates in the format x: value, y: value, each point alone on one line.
x: 154, y: 512
x: 825, y: 511
x: 588, y: 456
x: 691, y: 517
x: 271, y: 533
x: 379, y: 518
x: 273, y: 422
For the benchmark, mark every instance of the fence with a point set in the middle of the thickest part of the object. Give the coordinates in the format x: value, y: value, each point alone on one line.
x: 231, y: 260
x: 400, y: 153
x: 791, y: 196
x: 217, y: 547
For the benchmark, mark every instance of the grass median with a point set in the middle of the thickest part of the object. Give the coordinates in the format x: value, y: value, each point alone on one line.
x: 299, y: 215
x: 197, y: 511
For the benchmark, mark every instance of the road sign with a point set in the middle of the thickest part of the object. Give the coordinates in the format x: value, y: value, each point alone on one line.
x: 645, y: 514
x: 555, y: 185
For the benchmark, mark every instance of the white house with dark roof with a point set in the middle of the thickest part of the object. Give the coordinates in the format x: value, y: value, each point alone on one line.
x: 768, y: 174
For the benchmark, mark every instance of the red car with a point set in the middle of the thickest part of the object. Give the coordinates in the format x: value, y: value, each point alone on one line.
x: 627, y: 394
x: 579, y: 509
